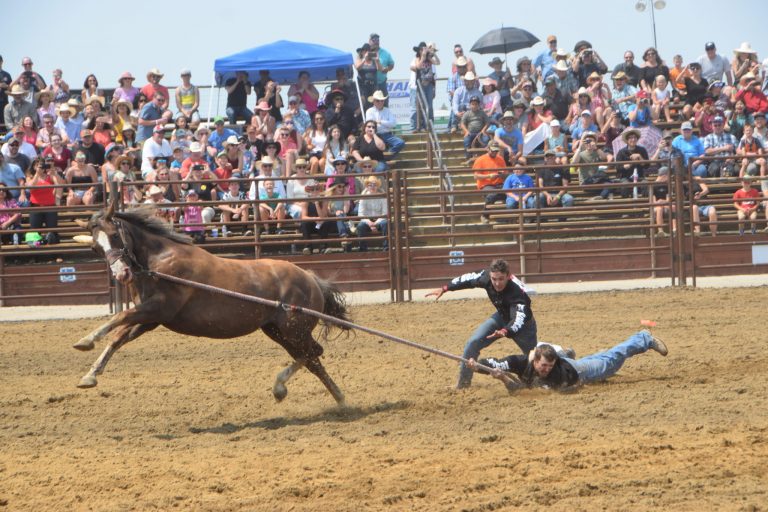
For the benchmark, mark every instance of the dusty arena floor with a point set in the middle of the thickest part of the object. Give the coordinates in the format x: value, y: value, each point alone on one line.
x: 190, y: 424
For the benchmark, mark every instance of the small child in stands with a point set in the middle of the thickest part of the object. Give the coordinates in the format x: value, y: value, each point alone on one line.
x: 661, y: 97
x: 745, y: 200
x: 193, y: 214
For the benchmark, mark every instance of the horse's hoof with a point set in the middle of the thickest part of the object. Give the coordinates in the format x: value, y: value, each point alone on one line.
x: 89, y: 381
x: 84, y: 345
x: 279, y: 391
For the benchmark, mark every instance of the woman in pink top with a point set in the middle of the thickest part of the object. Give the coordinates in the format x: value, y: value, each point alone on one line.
x: 306, y: 91
x: 30, y: 130
x: 126, y: 91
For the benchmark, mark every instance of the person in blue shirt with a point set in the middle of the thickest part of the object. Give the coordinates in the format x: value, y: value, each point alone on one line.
x: 510, y: 139
x: 639, y: 114
x: 152, y: 114
x: 515, y: 181
x: 546, y: 59
x: 691, y: 147
x: 219, y: 136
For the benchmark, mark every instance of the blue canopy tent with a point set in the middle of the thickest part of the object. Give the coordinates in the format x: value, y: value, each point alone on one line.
x: 284, y: 60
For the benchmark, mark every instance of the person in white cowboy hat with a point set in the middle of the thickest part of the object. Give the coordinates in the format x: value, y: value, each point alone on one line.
x: 462, y: 95
x: 153, y: 78
x: 18, y: 108
x: 744, y: 61
x: 566, y: 81
x: 385, y: 122
x: 155, y: 197
x: 454, y: 82
x: 67, y: 123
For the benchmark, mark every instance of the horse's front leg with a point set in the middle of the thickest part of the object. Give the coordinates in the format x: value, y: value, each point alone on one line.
x: 143, y: 312
x: 125, y: 334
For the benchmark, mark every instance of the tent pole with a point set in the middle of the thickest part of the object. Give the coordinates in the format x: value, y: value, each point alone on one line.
x: 210, y: 98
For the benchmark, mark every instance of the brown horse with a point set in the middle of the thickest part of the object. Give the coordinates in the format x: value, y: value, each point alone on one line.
x: 135, y: 243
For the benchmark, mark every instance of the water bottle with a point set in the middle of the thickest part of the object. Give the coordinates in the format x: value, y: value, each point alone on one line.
x: 215, y: 232
x: 634, y: 179
x: 15, y: 239
x: 224, y: 232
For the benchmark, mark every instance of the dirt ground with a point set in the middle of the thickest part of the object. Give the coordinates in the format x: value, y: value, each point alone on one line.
x: 191, y: 424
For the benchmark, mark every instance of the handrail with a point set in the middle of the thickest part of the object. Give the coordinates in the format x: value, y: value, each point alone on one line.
x: 445, y: 181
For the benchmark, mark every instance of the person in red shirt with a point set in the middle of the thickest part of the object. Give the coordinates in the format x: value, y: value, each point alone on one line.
x: 490, y: 175
x: 223, y: 172
x: 752, y: 96
x: 153, y: 77
x: 745, y: 202
x: 195, y: 157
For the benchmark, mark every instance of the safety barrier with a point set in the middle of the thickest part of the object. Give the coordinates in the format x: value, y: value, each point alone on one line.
x: 428, y: 243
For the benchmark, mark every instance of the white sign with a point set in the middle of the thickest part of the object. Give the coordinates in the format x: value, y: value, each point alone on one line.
x: 759, y: 254
x: 400, y: 101
x: 67, y: 275
x: 456, y: 258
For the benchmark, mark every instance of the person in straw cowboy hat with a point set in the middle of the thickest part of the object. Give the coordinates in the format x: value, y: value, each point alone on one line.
x: 153, y: 78
x: 18, y: 108
x: 744, y: 61
x: 158, y: 201
x: 385, y: 122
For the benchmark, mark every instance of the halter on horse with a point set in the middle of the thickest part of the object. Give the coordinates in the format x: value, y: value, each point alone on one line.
x: 136, y: 244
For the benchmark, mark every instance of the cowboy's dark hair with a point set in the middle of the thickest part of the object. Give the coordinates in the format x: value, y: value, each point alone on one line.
x: 499, y: 265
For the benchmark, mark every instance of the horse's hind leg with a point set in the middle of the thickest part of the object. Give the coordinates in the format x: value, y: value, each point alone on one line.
x: 315, y: 366
x: 124, y: 335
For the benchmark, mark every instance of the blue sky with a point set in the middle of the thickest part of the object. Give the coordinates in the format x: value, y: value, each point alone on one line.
x: 107, y: 38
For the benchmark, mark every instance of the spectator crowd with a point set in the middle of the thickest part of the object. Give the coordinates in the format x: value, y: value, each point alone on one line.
x: 62, y: 145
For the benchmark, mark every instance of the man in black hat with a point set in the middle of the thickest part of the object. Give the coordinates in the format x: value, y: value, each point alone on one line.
x: 714, y: 66
x: 347, y: 87
x: 339, y: 112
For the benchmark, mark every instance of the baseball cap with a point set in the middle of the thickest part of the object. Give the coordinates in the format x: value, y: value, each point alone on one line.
x: 709, y: 46
x: 494, y: 146
x: 718, y: 119
x: 159, y: 129
x: 686, y: 126
x: 218, y: 119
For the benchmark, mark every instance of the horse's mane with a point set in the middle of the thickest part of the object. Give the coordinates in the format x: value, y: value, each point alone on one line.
x: 144, y: 218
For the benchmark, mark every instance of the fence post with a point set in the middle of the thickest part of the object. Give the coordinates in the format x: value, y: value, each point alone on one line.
x: 397, y: 238
x: 679, y: 243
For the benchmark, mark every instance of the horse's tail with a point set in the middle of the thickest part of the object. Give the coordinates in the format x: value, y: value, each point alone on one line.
x: 334, y: 304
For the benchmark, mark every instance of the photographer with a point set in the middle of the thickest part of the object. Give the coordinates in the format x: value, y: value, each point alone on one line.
x: 44, y: 174
x: 238, y: 90
x: 585, y: 62
x: 423, y: 70
x: 367, y: 65
x: 639, y: 114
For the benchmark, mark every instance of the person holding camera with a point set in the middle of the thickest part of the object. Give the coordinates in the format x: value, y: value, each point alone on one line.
x: 367, y: 64
x: 44, y: 174
x: 696, y: 87
x: 238, y: 89
x: 623, y: 96
x: 423, y: 70
x: 640, y: 114
x: 585, y: 62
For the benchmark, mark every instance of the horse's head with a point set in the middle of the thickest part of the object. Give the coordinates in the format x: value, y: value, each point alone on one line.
x: 108, y: 240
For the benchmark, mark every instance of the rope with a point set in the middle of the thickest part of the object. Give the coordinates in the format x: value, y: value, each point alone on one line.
x: 318, y: 314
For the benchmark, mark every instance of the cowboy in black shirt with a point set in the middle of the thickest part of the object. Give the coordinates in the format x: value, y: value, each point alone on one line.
x: 513, y: 317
